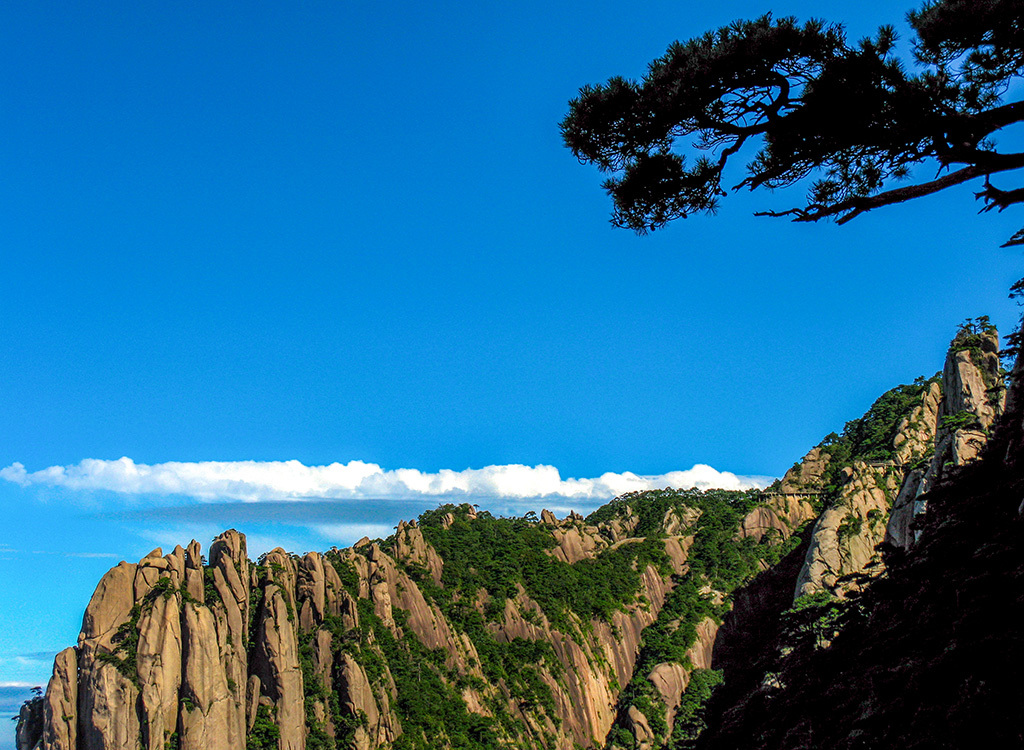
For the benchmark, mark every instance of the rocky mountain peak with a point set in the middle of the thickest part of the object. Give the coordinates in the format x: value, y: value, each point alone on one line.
x: 938, y: 425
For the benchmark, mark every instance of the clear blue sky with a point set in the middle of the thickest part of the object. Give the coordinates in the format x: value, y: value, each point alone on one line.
x: 349, y: 231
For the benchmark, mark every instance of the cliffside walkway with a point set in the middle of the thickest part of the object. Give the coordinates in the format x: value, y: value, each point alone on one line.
x: 794, y: 495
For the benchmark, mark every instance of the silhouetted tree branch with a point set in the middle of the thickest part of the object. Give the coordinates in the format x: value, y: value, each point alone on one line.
x: 853, y: 118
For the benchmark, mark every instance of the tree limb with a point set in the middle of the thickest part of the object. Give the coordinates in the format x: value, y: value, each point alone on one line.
x: 999, y: 199
x: 853, y: 207
x: 1000, y: 117
x: 1017, y: 239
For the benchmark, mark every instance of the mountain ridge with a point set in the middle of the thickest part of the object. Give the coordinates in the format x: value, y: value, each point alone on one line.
x: 632, y: 627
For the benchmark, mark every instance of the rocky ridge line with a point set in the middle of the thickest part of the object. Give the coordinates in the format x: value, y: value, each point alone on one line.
x: 178, y: 654
x: 877, y: 501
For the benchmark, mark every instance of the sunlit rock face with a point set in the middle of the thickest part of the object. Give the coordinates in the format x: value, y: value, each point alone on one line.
x: 958, y: 418
x: 179, y: 653
x: 947, y: 427
x: 847, y: 534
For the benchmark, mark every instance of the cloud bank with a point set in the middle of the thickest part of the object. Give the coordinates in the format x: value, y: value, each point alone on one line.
x: 253, y: 481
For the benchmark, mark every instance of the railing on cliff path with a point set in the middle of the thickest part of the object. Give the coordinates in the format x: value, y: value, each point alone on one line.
x: 795, y: 495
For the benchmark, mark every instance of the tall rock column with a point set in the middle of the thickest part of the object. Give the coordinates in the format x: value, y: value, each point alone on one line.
x: 914, y: 444
x: 971, y: 401
x: 60, y: 708
x: 276, y: 658
x: 159, y: 668
x: 230, y: 573
x: 209, y: 716
x: 107, y: 697
x: 312, y: 591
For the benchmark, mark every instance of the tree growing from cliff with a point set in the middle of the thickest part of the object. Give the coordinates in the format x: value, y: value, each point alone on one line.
x: 800, y: 102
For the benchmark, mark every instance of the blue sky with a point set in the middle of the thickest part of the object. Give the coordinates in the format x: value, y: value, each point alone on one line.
x: 349, y: 232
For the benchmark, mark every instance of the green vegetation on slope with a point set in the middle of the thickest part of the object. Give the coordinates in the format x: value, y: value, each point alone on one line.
x: 429, y: 704
x: 718, y: 562
x: 691, y: 716
x: 496, y: 554
x: 264, y: 734
x: 870, y: 438
x: 314, y: 691
x: 716, y: 555
x: 489, y: 560
x: 666, y: 640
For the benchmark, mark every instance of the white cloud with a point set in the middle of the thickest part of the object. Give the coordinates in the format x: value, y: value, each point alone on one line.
x: 291, y: 480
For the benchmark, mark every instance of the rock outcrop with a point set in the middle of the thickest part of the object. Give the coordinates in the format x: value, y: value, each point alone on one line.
x: 946, y: 426
x: 167, y: 646
x: 929, y: 658
x: 179, y: 653
x: 60, y: 730
x: 209, y: 704
x: 778, y: 515
x: 29, y: 732
x: 806, y: 475
x: 951, y: 427
x: 848, y: 532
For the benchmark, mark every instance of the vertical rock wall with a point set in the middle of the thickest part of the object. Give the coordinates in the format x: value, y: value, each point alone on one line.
x: 60, y: 728
x: 847, y: 533
x: 957, y: 420
x: 175, y: 654
x: 879, y: 501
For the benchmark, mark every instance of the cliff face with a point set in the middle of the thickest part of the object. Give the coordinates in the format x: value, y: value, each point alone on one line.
x: 176, y: 653
x: 848, y: 532
x: 927, y: 655
x: 940, y: 425
x: 465, y: 630
x: 971, y: 401
x: 461, y: 627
